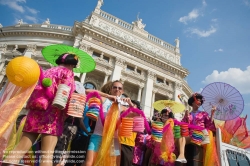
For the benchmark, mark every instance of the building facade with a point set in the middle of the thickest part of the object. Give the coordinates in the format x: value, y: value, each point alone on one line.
x: 149, y: 67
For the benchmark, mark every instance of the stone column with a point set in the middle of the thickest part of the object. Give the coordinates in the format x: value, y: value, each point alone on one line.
x: 2, y: 74
x: 177, y: 91
x: 119, y: 64
x: 105, y: 79
x: 82, y: 78
x: 139, y: 93
x: 153, y: 100
x: 107, y: 74
x: 78, y: 75
x: 30, y: 50
x: 147, y: 93
x: 2, y: 63
x: 3, y: 48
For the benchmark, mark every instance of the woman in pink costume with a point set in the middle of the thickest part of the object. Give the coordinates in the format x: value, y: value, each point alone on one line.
x: 49, y: 123
x: 195, y: 117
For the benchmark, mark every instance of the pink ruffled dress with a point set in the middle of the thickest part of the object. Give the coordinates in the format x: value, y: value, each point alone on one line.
x: 51, y: 120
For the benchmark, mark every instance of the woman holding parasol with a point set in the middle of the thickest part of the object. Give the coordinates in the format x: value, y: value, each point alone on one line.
x: 197, y: 118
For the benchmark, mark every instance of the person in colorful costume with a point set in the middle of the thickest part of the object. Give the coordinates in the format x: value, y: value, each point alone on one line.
x: 101, y: 151
x: 167, y: 148
x: 49, y: 123
x: 197, y: 118
x: 158, y: 157
x: 139, y: 149
x: 85, y: 127
x: 61, y: 151
x: 128, y: 143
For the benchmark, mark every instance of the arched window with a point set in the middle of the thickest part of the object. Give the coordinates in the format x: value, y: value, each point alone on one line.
x: 89, y: 85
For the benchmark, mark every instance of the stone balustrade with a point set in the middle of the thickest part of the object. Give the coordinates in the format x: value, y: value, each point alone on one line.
x: 130, y: 27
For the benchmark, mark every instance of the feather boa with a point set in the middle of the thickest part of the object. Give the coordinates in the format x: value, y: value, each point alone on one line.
x: 137, y: 111
x: 194, y: 127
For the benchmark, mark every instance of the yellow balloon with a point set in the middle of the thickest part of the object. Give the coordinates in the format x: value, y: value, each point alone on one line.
x: 23, y: 71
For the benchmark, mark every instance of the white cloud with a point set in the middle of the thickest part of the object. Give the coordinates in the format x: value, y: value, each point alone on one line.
x: 32, y: 11
x: 214, y: 10
x: 214, y: 20
x: 246, y: 2
x: 236, y: 77
x: 30, y: 18
x: 202, y: 33
x: 13, y: 4
x: 219, y: 50
x: 204, y: 3
x: 191, y: 16
x: 18, y: 6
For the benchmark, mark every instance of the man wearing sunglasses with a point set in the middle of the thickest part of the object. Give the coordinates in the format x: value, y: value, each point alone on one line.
x: 115, y: 92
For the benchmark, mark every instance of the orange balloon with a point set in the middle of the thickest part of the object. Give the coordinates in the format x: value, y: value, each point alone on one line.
x: 23, y: 71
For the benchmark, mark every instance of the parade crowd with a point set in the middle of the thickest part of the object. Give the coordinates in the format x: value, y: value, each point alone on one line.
x: 112, y: 130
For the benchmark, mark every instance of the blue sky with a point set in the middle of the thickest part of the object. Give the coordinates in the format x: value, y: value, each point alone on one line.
x: 214, y: 35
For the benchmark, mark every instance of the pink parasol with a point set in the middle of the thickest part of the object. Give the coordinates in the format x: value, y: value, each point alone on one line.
x: 227, y: 100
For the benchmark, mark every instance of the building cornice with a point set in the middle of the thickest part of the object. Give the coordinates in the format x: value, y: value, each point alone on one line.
x: 186, y: 88
x: 37, y: 30
x: 112, y: 41
x: 96, y: 36
x: 139, y: 57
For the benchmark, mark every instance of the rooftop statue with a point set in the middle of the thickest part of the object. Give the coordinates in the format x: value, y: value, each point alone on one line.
x: 47, y: 22
x: 20, y: 22
x: 139, y: 23
x: 99, y: 4
x: 177, y: 42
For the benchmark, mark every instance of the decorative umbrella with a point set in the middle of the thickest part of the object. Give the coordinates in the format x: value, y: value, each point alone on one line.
x: 174, y: 106
x: 227, y: 100
x: 86, y: 62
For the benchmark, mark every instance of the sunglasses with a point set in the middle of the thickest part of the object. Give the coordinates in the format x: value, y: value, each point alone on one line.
x: 117, y: 87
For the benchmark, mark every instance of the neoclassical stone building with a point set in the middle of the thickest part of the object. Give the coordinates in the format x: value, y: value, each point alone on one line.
x: 149, y: 67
